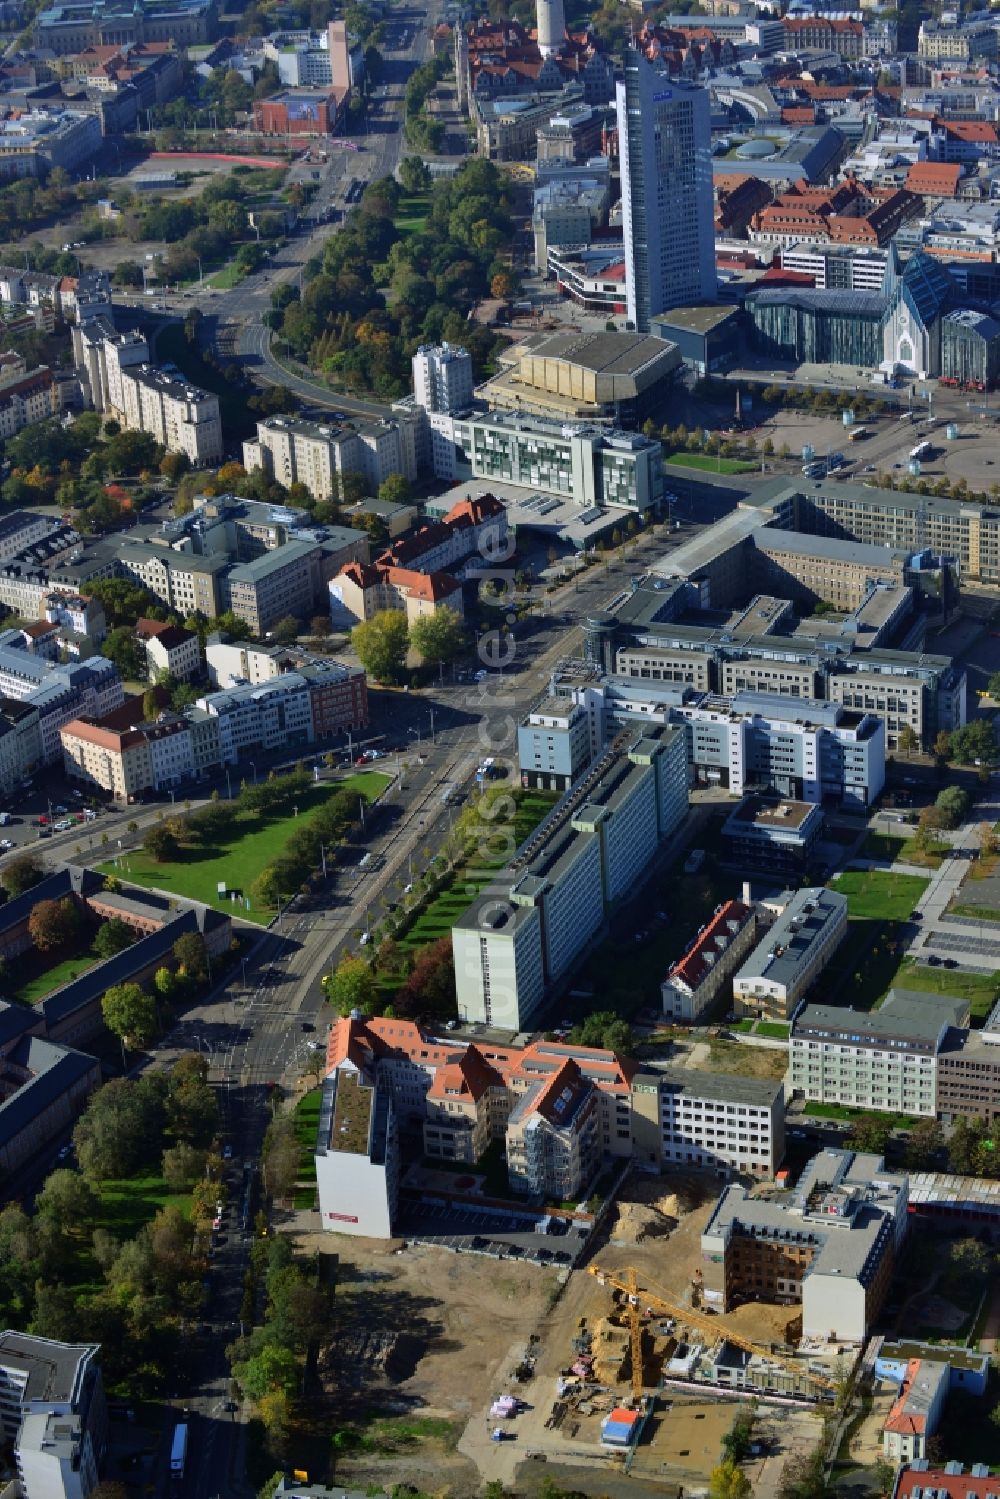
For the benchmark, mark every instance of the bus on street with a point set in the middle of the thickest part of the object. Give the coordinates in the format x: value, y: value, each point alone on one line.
x: 178, y: 1451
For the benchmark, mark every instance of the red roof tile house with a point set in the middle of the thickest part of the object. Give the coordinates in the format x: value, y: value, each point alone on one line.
x: 361, y: 589
x: 702, y: 975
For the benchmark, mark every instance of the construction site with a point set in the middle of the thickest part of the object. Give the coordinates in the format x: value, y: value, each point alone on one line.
x: 631, y: 1372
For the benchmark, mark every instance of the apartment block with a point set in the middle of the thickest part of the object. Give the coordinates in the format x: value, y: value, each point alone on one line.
x: 57, y: 692
x: 169, y: 648
x: 683, y: 1119
x: 317, y: 454
x: 461, y: 1097
x: 830, y: 1247
x: 127, y: 761
x: 778, y: 837
x: 293, y: 709
x: 885, y: 1060
x: 702, y: 976
x: 101, y: 355
x: 185, y: 582
x: 53, y: 1412
x: 20, y: 743
x: 783, y: 967
x: 181, y: 416
x: 239, y: 661
x: 442, y: 377
x: 525, y: 934
x: 553, y: 1137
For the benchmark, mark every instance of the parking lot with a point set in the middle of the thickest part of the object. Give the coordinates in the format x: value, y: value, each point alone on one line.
x: 492, y: 1232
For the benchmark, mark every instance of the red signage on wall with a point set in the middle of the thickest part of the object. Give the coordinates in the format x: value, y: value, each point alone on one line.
x: 343, y: 1217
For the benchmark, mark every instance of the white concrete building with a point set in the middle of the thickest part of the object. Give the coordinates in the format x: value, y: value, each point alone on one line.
x: 442, y: 377
x: 270, y: 716
x: 229, y: 662
x: 357, y: 1155
x: 683, y: 1119
x: 665, y: 147
x: 53, y: 1411
x: 181, y: 416
x: 525, y: 934
x: 794, y: 952
x: 100, y: 354
x: 885, y: 1059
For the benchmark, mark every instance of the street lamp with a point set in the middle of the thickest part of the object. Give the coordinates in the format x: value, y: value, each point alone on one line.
x: 253, y: 766
x: 417, y: 732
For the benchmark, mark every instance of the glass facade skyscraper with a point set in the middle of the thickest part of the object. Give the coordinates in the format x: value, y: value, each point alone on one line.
x: 665, y: 145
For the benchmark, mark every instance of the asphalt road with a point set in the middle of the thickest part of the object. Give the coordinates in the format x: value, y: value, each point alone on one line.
x: 384, y: 145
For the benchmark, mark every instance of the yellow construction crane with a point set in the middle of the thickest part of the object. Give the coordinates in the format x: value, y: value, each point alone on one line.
x: 714, y: 1328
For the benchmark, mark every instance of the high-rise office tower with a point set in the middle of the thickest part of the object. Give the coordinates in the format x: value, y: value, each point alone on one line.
x: 550, y: 18
x: 665, y: 145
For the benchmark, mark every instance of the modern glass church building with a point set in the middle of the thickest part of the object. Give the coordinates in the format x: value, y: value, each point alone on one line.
x: 920, y: 321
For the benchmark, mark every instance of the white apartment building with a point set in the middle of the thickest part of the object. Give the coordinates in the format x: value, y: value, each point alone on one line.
x: 703, y: 974
x: 270, y: 716
x: 169, y: 648
x: 317, y: 454
x: 884, y: 1060
x: 32, y: 397
x: 184, y: 418
x: 793, y: 953
x: 229, y: 662
x: 20, y: 744
x: 665, y: 143
x: 58, y: 692
x: 525, y: 934
x: 442, y: 377
x: 101, y: 353
x: 683, y: 1120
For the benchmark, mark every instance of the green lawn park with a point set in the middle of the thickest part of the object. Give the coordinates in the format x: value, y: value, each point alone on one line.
x: 254, y: 844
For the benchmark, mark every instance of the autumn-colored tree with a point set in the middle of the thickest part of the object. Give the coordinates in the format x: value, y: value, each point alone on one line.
x: 54, y: 923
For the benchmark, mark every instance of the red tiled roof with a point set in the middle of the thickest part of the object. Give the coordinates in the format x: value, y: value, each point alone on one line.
x: 933, y: 177
x: 969, y: 130
x: 470, y: 1076
x: 694, y: 966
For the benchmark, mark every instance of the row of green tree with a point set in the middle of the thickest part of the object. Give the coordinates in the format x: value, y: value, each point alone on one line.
x: 270, y: 1362
x: 327, y: 827
x: 377, y: 292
